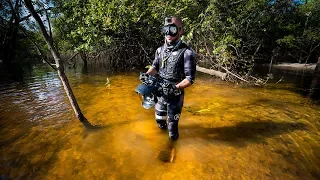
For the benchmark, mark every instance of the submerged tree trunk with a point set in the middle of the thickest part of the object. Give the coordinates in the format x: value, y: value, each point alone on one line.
x: 315, y: 85
x: 59, y: 66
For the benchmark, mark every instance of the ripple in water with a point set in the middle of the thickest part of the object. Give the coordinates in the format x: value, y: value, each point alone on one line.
x: 226, y: 132
x: 37, y: 99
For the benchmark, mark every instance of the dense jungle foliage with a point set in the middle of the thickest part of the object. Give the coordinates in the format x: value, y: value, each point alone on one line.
x: 227, y: 35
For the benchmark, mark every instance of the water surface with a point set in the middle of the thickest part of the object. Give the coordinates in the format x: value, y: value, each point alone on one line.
x: 226, y: 132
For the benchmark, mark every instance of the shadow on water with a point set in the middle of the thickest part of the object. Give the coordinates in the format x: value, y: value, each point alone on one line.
x: 169, y: 153
x: 241, y: 133
x: 301, y: 80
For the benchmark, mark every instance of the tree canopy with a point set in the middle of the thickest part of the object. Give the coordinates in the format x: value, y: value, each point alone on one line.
x: 226, y: 35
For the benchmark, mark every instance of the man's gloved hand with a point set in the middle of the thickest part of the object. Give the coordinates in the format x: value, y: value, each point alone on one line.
x: 170, y: 90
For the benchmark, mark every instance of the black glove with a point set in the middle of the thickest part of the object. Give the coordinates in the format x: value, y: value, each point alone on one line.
x: 170, y: 90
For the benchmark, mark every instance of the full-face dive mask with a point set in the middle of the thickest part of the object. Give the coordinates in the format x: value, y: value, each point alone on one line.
x: 169, y: 27
x: 171, y: 30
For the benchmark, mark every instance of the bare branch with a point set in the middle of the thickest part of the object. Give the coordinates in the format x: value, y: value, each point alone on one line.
x: 257, y: 50
x: 47, y: 16
x: 29, y: 15
x: 234, y: 74
x: 235, y: 50
x: 73, y: 56
x: 144, y: 51
x: 34, y: 13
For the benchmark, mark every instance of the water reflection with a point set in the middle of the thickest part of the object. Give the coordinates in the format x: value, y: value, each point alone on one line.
x: 226, y: 132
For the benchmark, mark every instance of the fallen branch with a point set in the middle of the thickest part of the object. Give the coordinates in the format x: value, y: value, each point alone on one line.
x: 212, y: 72
x: 220, y: 74
x: 234, y: 75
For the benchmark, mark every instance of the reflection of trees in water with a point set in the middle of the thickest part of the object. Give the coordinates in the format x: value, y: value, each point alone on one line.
x: 305, y: 82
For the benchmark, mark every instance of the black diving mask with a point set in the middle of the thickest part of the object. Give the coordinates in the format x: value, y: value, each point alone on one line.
x: 171, y: 30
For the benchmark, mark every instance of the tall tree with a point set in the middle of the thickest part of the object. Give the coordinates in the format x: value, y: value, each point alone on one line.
x: 59, y: 63
x: 129, y: 29
x: 15, y: 49
x: 10, y: 37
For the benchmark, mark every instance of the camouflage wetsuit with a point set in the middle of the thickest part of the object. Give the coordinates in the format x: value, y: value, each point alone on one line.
x: 173, y: 63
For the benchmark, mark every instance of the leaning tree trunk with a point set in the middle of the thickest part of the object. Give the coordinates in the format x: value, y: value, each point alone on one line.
x: 59, y: 65
x: 315, y: 85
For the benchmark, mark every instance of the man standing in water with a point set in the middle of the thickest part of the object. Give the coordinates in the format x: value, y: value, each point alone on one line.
x: 175, y: 63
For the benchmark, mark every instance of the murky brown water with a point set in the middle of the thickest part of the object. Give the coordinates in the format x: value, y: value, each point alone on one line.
x: 226, y: 132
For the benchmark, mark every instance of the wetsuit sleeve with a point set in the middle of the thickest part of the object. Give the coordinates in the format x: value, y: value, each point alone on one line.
x: 156, y: 60
x: 190, y: 65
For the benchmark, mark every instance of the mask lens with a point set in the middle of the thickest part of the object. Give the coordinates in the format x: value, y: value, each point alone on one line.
x: 165, y: 29
x: 171, y: 30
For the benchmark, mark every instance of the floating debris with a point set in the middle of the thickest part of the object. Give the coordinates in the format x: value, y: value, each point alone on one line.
x: 204, y: 110
x: 108, y: 83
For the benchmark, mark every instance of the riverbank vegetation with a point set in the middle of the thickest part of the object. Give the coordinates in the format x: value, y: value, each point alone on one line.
x: 228, y: 36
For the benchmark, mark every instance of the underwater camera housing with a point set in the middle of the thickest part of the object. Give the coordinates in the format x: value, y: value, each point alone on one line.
x: 147, y: 90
